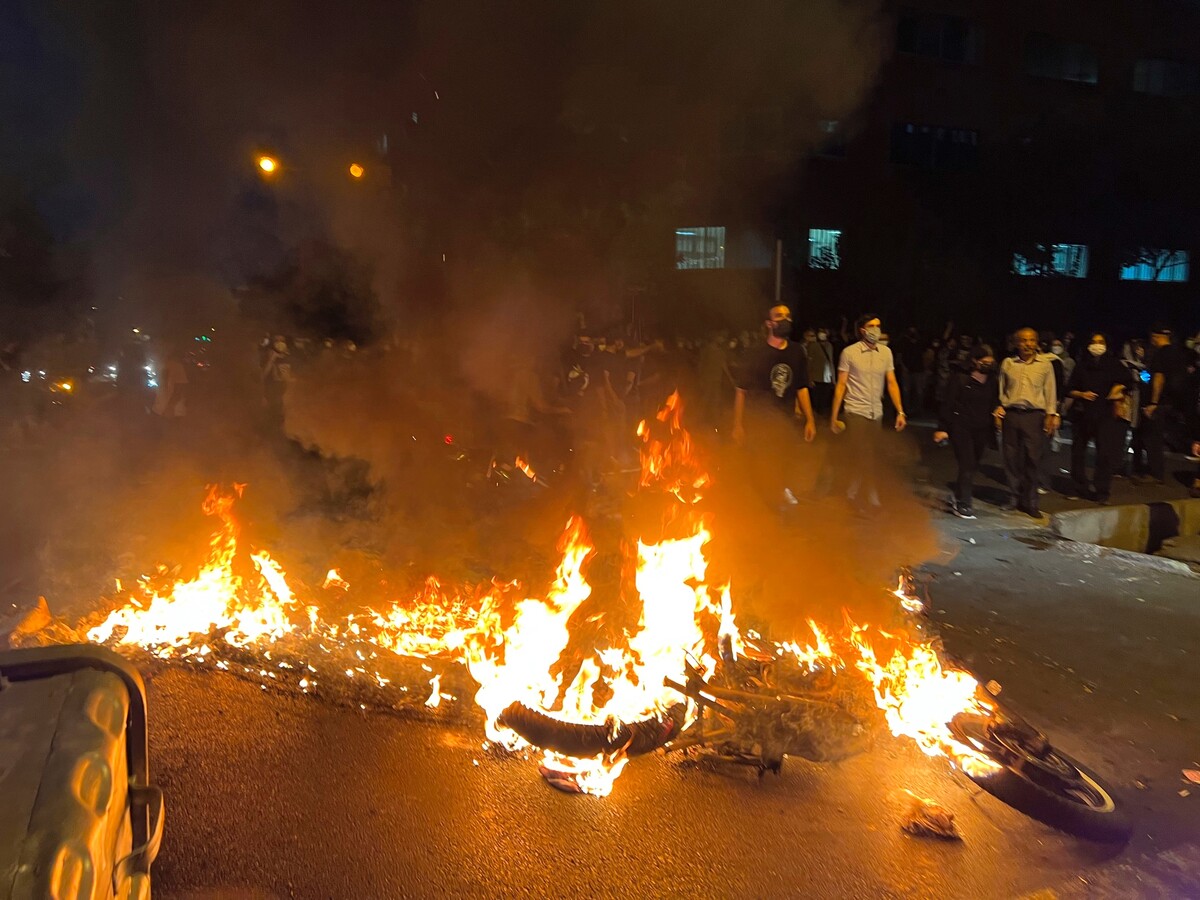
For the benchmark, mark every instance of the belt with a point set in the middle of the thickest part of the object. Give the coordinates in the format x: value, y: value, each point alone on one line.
x: 1023, y: 409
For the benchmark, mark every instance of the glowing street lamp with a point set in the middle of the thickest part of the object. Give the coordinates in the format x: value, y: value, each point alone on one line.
x: 267, y: 165
x: 356, y: 171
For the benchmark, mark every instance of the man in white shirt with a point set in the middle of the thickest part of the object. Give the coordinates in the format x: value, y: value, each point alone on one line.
x: 865, y: 370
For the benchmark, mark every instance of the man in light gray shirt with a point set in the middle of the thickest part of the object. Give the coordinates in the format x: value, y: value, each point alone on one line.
x: 865, y: 370
x: 1027, y: 415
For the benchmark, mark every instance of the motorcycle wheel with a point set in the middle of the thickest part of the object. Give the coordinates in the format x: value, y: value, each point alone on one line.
x: 1051, y: 787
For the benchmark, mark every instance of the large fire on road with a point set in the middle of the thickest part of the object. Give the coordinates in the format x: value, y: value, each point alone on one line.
x: 599, y: 647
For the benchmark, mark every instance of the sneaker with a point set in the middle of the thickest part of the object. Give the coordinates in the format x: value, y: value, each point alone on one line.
x: 1008, y: 505
x: 1103, y: 501
x: 1072, y: 494
x: 1043, y: 491
x: 1147, y: 480
x: 963, y: 511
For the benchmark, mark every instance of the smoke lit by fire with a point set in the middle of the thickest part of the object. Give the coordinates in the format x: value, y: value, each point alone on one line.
x: 597, y: 647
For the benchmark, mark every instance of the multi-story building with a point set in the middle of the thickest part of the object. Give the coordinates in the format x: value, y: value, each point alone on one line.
x: 1017, y: 162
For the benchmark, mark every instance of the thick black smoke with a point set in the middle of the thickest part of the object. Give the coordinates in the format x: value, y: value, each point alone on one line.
x: 522, y: 161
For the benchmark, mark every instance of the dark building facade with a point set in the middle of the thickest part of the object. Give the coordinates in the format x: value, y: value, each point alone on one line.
x: 1017, y: 162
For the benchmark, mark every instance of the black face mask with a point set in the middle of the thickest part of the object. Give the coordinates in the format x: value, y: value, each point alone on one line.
x: 984, y: 369
x: 782, y: 328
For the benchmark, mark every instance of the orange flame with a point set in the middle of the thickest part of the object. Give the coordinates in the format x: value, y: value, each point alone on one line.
x: 596, y: 649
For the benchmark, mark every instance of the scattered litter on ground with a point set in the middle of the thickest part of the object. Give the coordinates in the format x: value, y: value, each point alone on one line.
x: 1185, y: 793
x: 1192, y: 775
x: 925, y: 818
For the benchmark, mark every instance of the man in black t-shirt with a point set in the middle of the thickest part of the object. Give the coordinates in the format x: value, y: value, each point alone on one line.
x: 775, y: 374
x: 772, y: 382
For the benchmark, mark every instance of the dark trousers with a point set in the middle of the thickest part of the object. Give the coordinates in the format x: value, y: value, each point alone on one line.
x: 1148, y: 446
x: 968, y: 445
x: 1024, y: 440
x: 822, y: 396
x: 862, y: 441
x: 1108, y: 434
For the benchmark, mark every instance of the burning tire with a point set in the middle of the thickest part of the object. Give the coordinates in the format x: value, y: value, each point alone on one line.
x: 573, y: 739
x: 1046, y: 783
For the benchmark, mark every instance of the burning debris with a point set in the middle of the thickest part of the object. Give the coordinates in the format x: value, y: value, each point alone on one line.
x: 925, y: 818
x: 630, y: 648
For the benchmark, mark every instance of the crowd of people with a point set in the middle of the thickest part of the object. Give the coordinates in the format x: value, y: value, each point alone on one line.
x: 773, y: 392
x: 1141, y: 397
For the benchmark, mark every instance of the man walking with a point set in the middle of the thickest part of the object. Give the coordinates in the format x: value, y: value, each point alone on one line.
x: 775, y: 375
x: 1027, y: 415
x: 865, y: 370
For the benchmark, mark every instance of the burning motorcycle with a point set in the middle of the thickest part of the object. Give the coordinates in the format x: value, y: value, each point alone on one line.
x: 768, y: 701
x: 761, y: 708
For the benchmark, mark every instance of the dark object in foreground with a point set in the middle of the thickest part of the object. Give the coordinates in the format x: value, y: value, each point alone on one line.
x: 78, y: 816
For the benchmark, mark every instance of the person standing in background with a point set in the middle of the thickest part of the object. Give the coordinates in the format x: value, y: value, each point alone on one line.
x: 1098, y: 391
x: 965, y: 418
x: 1027, y: 414
x: 821, y: 367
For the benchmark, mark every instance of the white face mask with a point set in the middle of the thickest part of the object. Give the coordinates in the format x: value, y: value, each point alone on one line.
x: 872, y: 334
x: 822, y: 335
x: 1058, y: 350
x: 280, y: 347
x: 1097, y: 349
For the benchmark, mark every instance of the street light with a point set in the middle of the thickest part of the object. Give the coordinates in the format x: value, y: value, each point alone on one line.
x: 267, y: 165
x: 356, y: 171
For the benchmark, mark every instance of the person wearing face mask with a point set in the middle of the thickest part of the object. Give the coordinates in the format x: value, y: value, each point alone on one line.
x: 820, y: 367
x: 965, y: 418
x: 773, y: 382
x: 865, y: 371
x: 1059, y: 349
x: 1098, y: 390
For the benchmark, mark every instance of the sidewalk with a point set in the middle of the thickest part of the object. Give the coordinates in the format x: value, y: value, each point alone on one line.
x: 937, y: 470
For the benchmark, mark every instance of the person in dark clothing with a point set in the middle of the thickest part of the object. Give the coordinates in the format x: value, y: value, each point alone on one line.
x: 1160, y: 404
x: 1099, y: 389
x: 772, y: 383
x: 965, y: 418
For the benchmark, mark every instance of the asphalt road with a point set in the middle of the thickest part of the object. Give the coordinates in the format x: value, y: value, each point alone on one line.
x: 273, y: 794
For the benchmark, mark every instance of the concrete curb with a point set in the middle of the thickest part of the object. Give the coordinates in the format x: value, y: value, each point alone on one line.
x: 1140, y: 528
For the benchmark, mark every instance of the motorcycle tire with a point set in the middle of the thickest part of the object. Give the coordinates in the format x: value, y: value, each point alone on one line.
x: 573, y: 739
x: 1060, y: 791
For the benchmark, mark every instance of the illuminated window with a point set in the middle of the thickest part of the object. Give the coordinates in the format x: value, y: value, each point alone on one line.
x: 951, y: 38
x: 1048, y: 57
x: 1150, y: 264
x: 1059, y: 260
x: 1166, y: 78
x: 700, y: 248
x: 824, y: 248
x: 934, y: 146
